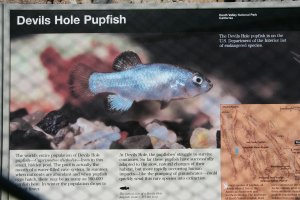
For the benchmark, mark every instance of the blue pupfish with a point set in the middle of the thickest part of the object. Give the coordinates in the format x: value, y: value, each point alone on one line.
x: 135, y: 81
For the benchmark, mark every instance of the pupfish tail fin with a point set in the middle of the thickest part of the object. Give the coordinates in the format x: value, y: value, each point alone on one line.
x: 79, y: 82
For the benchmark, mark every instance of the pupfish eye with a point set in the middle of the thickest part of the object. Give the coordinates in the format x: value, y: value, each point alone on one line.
x: 197, y: 79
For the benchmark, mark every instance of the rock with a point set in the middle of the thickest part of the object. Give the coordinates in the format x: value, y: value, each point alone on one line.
x: 94, y: 134
x: 203, y: 138
x: 61, y: 135
x: 58, y: 119
x: 18, y: 114
x: 67, y: 141
x: 138, y: 142
x: 160, y: 144
x: 53, y: 122
x: 71, y: 112
x: 158, y: 131
x: 116, y: 145
x: 177, y: 146
x: 105, y: 142
x: 160, y: 136
x: 95, y: 140
x: 132, y: 128
x: 161, y: 132
x: 30, y: 139
x: 49, y: 137
x: 87, y: 126
x: 124, y: 135
x: 199, y: 138
x: 19, y: 124
x: 75, y: 129
x: 64, y: 138
x: 182, y: 129
x: 34, y: 118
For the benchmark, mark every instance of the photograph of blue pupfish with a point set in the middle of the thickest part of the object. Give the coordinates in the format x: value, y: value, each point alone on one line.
x: 133, y: 81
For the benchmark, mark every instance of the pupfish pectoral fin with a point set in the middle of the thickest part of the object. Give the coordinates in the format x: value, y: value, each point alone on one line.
x: 126, y: 60
x: 118, y: 103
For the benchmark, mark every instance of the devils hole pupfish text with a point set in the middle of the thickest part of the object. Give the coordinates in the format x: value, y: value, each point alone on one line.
x: 71, y: 20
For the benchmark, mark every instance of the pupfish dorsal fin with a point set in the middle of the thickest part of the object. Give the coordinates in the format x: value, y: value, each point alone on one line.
x: 126, y: 60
